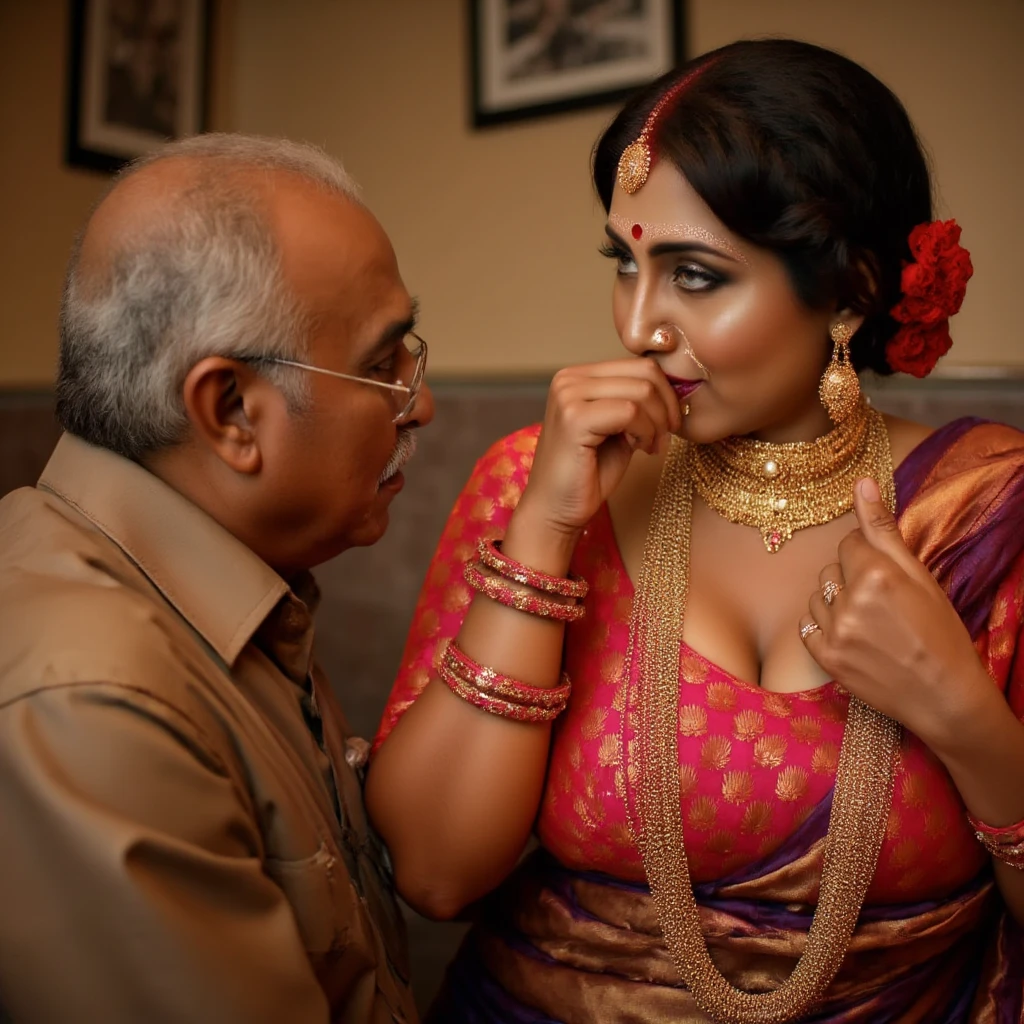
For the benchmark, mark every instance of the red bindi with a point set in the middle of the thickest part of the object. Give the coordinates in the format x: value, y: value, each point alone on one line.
x: 637, y: 232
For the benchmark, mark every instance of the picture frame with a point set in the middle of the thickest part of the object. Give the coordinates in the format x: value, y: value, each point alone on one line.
x: 137, y: 77
x: 533, y: 58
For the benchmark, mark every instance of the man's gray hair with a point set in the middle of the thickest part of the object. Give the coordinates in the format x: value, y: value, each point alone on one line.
x: 205, y: 281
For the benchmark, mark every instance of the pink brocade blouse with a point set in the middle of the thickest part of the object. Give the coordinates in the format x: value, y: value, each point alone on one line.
x: 752, y: 763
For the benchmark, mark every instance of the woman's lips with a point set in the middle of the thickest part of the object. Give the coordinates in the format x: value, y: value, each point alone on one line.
x: 683, y: 388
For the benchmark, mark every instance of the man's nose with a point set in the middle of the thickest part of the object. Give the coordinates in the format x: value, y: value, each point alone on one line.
x: 422, y: 411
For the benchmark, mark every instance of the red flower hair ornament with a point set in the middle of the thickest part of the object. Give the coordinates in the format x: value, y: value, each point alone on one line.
x: 934, y: 285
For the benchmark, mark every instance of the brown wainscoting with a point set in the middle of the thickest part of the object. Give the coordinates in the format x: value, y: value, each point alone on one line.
x: 28, y: 432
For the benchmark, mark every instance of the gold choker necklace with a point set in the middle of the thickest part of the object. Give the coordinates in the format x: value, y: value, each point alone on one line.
x: 782, y: 488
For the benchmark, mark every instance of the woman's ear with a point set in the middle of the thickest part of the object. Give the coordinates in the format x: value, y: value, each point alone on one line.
x: 224, y: 401
x: 864, y: 291
x: 852, y: 320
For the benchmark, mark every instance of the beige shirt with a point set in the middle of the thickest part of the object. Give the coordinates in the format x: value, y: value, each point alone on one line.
x: 175, y: 846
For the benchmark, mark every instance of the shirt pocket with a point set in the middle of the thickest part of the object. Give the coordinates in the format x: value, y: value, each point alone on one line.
x: 321, y: 897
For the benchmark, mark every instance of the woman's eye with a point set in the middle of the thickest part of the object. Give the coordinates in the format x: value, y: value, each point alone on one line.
x: 624, y: 263
x: 694, y: 278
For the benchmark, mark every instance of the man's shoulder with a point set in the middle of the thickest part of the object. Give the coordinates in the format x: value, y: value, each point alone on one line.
x: 75, y: 609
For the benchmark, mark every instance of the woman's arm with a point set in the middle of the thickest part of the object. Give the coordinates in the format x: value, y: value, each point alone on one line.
x: 893, y: 639
x: 454, y: 791
x: 982, y: 748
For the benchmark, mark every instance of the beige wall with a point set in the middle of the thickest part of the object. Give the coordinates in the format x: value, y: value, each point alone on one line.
x: 43, y: 202
x: 497, y: 230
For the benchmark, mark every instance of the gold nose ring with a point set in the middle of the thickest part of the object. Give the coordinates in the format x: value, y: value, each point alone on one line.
x: 661, y: 337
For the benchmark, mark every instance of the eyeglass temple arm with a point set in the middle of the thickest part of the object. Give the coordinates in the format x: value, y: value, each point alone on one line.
x: 343, y: 376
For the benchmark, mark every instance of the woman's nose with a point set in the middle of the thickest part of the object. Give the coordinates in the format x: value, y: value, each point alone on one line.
x: 645, y: 334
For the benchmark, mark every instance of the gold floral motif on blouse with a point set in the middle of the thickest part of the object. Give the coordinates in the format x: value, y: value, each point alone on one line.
x: 693, y: 720
x: 721, y: 843
x: 510, y: 495
x: 805, y: 729
x: 737, y: 787
x: 825, y: 758
x: 608, y: 752
x: 757, y: 817
x: 715, y: 753
x: 702, y: 813
x: 611, y: 666
x: 456, y: 598
x: 913, y: 791
x: 791, y: 784
x: 687, y: 779
x: 721, y: 696
x: 748, y: 725
x: 770, y: 751
x: 776, y: 704
x: 693, y: 670
x: 593, y: 724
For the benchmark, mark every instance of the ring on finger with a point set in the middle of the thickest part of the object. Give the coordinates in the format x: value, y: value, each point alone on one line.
x: 806, y: 631
x: 829, y: 591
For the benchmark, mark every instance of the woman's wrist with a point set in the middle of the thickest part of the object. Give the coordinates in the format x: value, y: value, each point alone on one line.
x: 967, y: 710
x: 981, y: 745
x: 531, y: 538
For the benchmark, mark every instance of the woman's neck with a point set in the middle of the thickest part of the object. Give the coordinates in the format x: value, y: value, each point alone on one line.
x: 812, y: 423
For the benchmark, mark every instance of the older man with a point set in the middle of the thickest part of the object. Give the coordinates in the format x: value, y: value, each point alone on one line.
x: 182, y: 835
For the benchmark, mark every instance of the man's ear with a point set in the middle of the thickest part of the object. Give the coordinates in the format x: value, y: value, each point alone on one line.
x: 226, y: 402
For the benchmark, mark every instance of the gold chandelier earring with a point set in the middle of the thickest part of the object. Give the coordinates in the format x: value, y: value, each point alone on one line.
x: 839, y: 389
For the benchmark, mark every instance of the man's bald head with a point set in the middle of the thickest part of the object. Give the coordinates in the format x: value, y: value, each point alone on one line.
x: 179, y: 261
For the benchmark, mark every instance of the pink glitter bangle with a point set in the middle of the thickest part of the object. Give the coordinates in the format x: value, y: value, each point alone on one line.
x: 1005, y: 844
x: 490, y: 682
x: 494, y: 705
x: 566, y: 586
x: 504, y: 593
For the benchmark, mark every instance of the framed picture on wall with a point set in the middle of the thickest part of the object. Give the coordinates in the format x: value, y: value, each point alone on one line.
x: 534, y: 57
x: 137, y: 77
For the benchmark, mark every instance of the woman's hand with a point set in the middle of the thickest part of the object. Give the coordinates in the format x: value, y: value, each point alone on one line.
x: 597, y: 416
x: 889, y: 634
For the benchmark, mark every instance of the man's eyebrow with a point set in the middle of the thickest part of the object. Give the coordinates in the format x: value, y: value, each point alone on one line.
x: 392, y: 334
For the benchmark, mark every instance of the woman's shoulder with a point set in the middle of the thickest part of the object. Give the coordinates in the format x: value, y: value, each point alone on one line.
x: 969, y: 447
x: 905, y: 436
x: 510, y: 455
x: 961, y: 501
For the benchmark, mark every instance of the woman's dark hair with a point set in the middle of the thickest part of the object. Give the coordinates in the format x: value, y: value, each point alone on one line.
x: 804, y: 153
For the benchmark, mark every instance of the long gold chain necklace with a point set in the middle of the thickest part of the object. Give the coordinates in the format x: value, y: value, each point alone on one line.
x: 861, y: 798
x: 782, y: 488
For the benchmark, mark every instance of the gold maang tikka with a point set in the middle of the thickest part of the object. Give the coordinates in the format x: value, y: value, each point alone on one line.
x: 839, y: 389
x: 635, y: 161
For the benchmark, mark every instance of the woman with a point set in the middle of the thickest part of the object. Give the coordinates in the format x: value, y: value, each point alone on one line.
x: 751, y: 806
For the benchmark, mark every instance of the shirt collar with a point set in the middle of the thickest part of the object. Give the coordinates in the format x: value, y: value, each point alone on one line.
x: 219, y: 585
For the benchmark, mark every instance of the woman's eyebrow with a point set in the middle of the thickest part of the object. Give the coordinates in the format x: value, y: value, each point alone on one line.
x: 683, y: 237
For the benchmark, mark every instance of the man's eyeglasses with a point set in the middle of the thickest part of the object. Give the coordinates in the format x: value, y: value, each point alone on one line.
x: 412, y: 389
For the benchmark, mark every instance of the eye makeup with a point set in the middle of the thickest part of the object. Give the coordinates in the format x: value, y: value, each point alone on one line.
x: 639, y: 230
